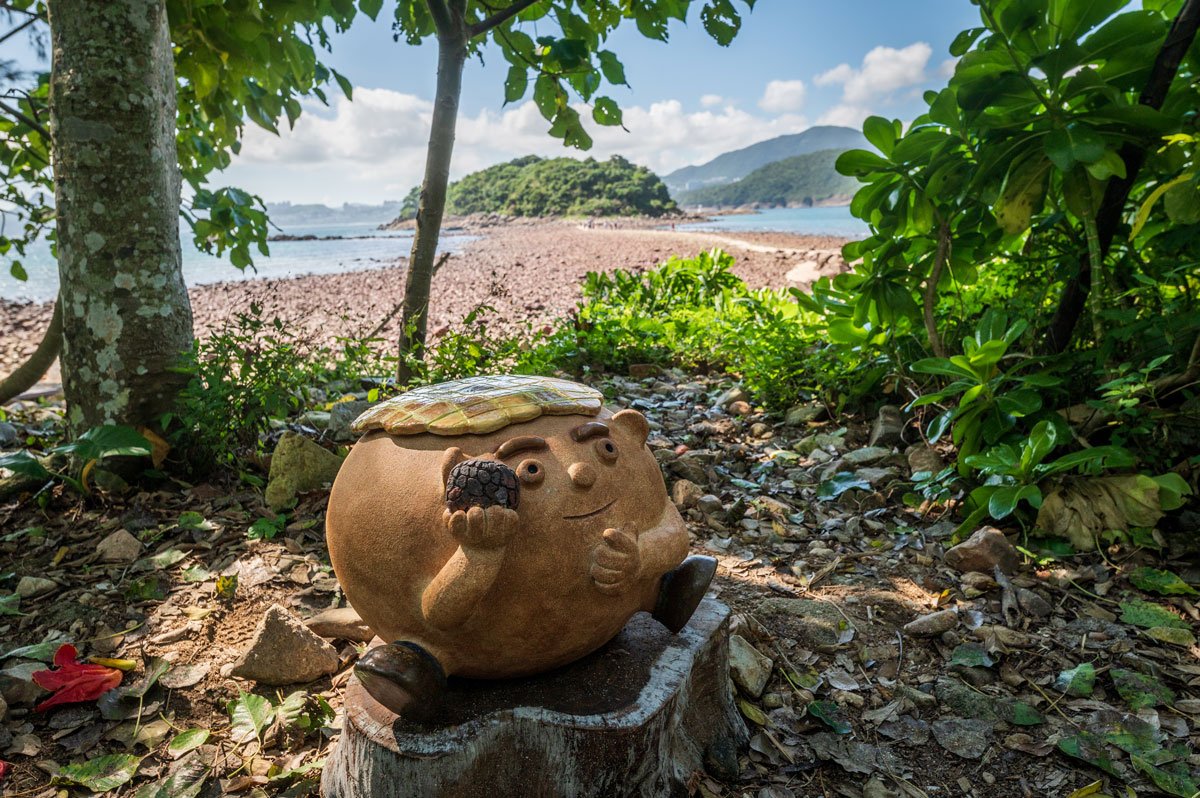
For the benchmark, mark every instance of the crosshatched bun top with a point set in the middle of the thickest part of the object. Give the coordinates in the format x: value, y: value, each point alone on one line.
x: 479, y: 405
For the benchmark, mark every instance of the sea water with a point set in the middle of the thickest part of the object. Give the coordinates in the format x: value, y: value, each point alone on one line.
x: 833, y: 220
x: 341, y: 247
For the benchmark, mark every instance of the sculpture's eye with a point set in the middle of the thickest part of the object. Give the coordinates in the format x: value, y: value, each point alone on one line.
x: 607, y: 450
x: 531, y: 472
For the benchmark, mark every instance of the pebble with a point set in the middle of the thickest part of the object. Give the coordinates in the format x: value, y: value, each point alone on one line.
x: 740, y: 408
x: 685, y: 493
x: 868, y: 456
x: 34, y: 586
x: 888, y: 429
x: 734, y: 394
x: 119, y: 547
x: 709, y: 504
x: 802, y: 414
x: 341, y: 623
x: 285, y: 651
x: 748, y: 666
x: 932, y: 624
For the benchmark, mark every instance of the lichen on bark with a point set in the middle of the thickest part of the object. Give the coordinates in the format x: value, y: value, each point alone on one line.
x: 126, y: 315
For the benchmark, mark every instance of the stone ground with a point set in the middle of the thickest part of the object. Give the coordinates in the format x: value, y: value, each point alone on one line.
x: 868, y: 662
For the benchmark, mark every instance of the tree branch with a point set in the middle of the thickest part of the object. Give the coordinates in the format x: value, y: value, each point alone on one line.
x: 499, y: 18
x: 32, y: 370
x: 18, y: 29
x: 30, y: 121
x: 441, y: 16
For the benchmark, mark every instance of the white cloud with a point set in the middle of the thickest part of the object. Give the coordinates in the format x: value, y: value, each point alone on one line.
x: 374, y: 148
x: 711, y: 100
x: 783, y: 96
x: 884, y: 73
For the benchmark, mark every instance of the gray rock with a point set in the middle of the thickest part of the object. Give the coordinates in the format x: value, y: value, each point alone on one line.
x: 922, y: 457
x: 888, y: 429
x: 983, y: 551
x: 868, y: 456
x: 760, y: 430
x: 876, y: 476
x: 3, y: 708
x: 748, y: 666
x: 298, y: 465
x: 734, y: 394
x: 740, y: 408
x: 342, y: 623
x: 119, y: 547
x: 965, y: 737
x: 686, y: 493
x: 8, y: 435
x: 285, y: 651
x: 710, y: 504
x: 814, y: 624
x: 932, y: 624
x: 34, y: 586
x: 317, y: 419
x: 800, y: 415
x: 1033, y: 604
x: 342, y: 415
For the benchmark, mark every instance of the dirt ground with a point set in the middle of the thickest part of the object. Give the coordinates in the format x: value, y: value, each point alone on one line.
x: 1042, y: 682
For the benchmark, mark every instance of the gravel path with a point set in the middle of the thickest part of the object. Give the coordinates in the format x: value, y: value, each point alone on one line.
x: 531, y: 274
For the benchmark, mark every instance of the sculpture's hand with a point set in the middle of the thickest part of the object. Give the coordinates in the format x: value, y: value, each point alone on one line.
x: 616, y: 562
x: 482, y: 527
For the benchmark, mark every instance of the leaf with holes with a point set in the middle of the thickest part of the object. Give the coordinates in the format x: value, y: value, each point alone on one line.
x: 1148, y: 615
x: 1141, y: 691
x: 101, y: 774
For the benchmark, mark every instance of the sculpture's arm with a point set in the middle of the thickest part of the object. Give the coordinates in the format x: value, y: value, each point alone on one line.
x: 665, y: 545
x: 482, y: 533
x: 624, y: 555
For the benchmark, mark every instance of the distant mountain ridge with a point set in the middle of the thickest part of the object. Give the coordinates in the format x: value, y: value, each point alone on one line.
x: 800, y: 181
x: 735, y: 165
x: 288, y: 213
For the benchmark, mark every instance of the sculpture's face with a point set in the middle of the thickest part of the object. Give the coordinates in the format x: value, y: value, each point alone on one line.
x: 590, y: 474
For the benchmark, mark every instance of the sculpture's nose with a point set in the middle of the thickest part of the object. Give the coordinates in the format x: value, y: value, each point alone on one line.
x: 582, y: 475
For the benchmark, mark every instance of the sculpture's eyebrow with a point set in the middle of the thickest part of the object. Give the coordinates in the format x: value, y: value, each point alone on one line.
x: 592, y: 429
x: 519, y: 444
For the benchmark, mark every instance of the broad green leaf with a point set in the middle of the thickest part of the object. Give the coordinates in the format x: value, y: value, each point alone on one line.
x: 840, y: 483
x: 1165, y: 583
x: 185, y: 781
x: 831, y: 715
x: 187, y: 741
x: 23, y: 463
x: 1019, y: 713
x: 249, y: 716
x: 1075, y: 143
x: 1171, y: 490
x: 1141, y: 691
x: 860, y: 162
x: 606, y: 112
x: 10, y: 605
x: 1070, y: 19
x: 881, y: 133
x: 1078, y: 681
x: 1149, y: 615
x: 611, y: 67
x: 752, y: 713
x: 1090, y: 749
x: 1169, y: 634
x: 1022, y: 195
x: 371, y: 7
x: 971, y: 655
x: 101, y: 774
x: 1173, y: 778
x: 516, y: 83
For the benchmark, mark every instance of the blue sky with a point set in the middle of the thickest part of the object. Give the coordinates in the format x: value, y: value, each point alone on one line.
x: 795, y: 63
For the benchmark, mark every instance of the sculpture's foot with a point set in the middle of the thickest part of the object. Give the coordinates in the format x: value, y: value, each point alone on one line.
x: 682, y: 590
x: 403, y: 677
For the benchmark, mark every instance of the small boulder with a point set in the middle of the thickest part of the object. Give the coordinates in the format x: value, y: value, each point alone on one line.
x: 815, y: 624
x: 3, y: 709
x: 285, y: 651
x: 749, y: 667
x: 119, y: 547
x: 734, y: 394
x: 686, y: 493
x: 802, y: 414
x: 888, y: 429
x: 342, y: 415
x: 923, y: 457
x: 983, y: 551
x: 932, y: 624
x: 740, y: 408
x: 710, y: 504
x: 8, y: 435
x: 298, y: 465
x: 341, y: 623
x: 34, y: 586
x: 868, y: 456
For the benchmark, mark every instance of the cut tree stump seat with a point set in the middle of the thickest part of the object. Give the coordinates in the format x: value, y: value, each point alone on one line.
x: 637, y: 718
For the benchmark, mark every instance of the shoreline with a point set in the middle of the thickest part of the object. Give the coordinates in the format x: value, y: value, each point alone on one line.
x: 531, y: 274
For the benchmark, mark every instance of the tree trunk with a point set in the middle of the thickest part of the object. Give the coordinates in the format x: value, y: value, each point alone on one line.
x: 452, y: 53
x: 126, y: 318
x: 29, y: 372
x: 638, y: 718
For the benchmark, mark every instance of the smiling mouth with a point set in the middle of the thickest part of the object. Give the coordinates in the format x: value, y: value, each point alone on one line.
x: 593, y: 512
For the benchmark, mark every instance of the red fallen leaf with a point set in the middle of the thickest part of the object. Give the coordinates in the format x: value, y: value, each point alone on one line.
x: 74, y: 681
x: 4, y: 768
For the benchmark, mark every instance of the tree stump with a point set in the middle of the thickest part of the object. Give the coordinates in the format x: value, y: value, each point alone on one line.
x: 636, y: 718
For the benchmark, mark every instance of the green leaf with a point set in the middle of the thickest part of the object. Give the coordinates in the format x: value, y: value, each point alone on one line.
x: 1165, y: 583
x: 1018, y: 713
x: 1169, y: 634
x: 831, y: 715
x: 1090, y: 749
x: 607, y: 112
x: 1075, y: 143
x: 752, y: 713
x: 23, y: 463
x: 859, y: 163
x: 516, y: 83
x: 1022, y: 195
x: 101, y: 774
x: 249, y: 716
x: 1148, y: 615
x: 971, y: 655
x: 612, y: 68
x: 1141, y: 691
x: 370, y: 7
x: 186, y: 781
x: 881, y: 133
x: 1078, y: 681
x: 344, y: 83
x: 1173, y: 778
x: 840, y: 483
x: 10, y: 605
x: 110, y: 440
x: 1171, y: 490
x: 187, y: 741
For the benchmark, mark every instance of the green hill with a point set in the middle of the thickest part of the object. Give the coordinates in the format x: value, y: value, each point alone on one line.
x: 737, y: 164
x: 802, y: 180
x: 533, y: 186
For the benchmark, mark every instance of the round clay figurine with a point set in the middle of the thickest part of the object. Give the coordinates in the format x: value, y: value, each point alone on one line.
x: 495, y: 527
